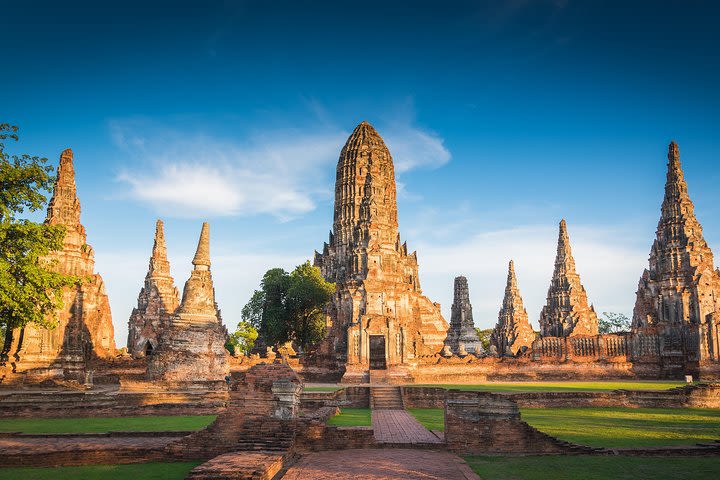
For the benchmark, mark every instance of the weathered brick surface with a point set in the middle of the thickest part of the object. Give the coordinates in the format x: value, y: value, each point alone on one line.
x: 40, y: 451
x: 485, y: 423
x: 240, y: 466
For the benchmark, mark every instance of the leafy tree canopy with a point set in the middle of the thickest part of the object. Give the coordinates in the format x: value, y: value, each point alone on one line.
x: 29, y: 290
x: 484, y: 335
x: 290, y: 306
x: 242, y: 340
x: 614, y: 323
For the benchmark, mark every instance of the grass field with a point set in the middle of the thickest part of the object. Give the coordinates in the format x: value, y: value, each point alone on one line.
x: 321, y: 389
x: 431, y: 418
x: 102, y: 424
x: 136, y: 471
x: 560, y: 386
x: 352, y: 417
x: 612, y: 427
x: 624, y: 427
x: 594, y: 468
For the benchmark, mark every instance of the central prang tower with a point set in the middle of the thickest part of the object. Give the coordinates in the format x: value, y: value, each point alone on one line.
x: 378, y: 318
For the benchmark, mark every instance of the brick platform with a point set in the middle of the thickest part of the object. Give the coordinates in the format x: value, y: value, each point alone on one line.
x: 240, y: 466
x: 392, y: 464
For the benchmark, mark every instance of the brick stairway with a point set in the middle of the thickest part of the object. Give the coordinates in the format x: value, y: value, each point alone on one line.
x: 386, y: 397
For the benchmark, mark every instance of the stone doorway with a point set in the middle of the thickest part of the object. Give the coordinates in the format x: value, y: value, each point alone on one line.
x: 148, y: 349
x: 377, y: 352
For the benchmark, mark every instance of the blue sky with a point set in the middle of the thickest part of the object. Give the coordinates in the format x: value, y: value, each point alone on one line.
x: 502, y: 117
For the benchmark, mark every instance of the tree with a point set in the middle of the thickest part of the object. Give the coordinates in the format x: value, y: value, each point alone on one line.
x: 290, y: 306
x: 484, y: 336
x: 30, y: 292
x: 242, y: 340
x: 614, y: 323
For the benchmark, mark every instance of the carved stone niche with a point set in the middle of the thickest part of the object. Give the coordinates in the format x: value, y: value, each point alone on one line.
x: 286, y: 396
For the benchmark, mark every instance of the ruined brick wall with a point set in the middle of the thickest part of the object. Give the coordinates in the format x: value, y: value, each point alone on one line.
x: 484, y: 423
x: 423, y: 397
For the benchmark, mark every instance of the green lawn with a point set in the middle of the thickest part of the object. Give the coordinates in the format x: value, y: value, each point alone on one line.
x: 626, y: 427
x: 560, y: 386
x: 611, y: 427
x: 595, y: 468
x: 431, y: 418
x: 104, y: 424
x: 352, y: 417
x: 136, y: 471
x: 321, y: 389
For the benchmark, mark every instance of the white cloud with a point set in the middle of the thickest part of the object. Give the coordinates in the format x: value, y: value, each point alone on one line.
x: 279, y: 172
x: 412, y: 148
x: 609, y: 269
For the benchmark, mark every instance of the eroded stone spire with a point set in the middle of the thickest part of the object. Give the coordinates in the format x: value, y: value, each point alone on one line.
x: 681, y: 285
x: 64, y: 206
x: 513, y: 331
x: 462, y: 327
x: 567, y: 311
x: 157, y: 301
x: 202, y: 254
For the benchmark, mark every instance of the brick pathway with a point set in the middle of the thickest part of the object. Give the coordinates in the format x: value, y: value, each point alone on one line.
x: 399, y: 426
x: 385, y: 464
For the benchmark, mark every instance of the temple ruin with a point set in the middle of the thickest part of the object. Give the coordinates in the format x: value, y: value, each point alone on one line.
x: 567, y: 312
x: 84, y: 329
x: 679, y: 294
x: 191, y: 350
x: 513, y: 333
x: 157, y: 301
x: 379, y: 317
x: 462, y: 337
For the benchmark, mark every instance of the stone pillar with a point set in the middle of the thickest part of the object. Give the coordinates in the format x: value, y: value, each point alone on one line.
x: 286, y: 396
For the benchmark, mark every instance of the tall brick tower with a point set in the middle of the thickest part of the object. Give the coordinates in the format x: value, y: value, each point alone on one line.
x: 379, y: 317
x: 681, y: 287
x: 84, y: 328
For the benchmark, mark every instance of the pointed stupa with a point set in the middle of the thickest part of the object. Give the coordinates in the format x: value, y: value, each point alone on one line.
x: 376, y: 277
x: 462, y: 331
x: 158, y: 299
x: 681, y: 285
x: 202, y: 254
x: 513, y: 332
x: 567, y: 311
x: 198, y: 300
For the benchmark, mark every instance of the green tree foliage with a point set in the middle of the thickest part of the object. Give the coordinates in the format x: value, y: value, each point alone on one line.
x: 290, y: 306
x: 29, y: 291
x: 242, y: 340
x: 614, y: 323
x: 484, y: 335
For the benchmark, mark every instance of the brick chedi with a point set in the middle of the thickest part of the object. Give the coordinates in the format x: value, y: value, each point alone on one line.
x: 513, y: 333
x: 158, y: 300
x: 681, y: 287
x: 191, y: 350
x: 84, y: 329
x: 378, y: 315
x: 462, y: 327
x: 567, y: 312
